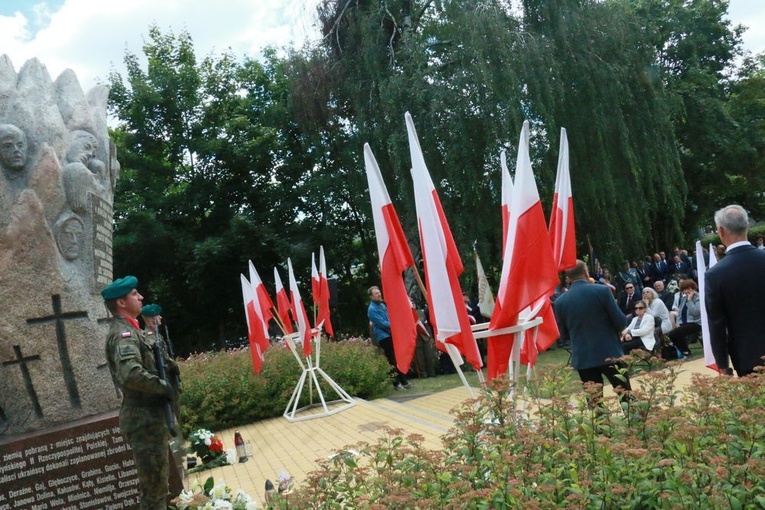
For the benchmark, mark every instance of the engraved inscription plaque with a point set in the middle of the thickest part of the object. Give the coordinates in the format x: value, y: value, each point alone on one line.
x: 102, y: 241
x: 87, y: 464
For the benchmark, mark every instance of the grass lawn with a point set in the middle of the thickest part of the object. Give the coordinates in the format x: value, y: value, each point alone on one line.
x: 425, y: 386
x: 552, y: 358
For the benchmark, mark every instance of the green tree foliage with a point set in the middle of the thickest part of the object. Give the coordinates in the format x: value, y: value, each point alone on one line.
x: 695, y: 50
x: 470, y: 72
x: 226, y: 160
x: 210, y: 179
x: 745, y: 168
x: 592, y: 73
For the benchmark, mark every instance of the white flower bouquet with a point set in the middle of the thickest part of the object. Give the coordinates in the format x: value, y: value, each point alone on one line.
x: 210, y: 450
x: 212, y: 496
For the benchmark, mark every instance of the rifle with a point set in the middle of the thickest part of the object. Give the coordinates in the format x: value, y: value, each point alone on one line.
x: 170, y: 349
x: 176, y: 378
x: 159, y: 357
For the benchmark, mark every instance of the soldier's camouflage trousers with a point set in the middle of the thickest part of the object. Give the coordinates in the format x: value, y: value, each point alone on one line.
x: 145, y: 430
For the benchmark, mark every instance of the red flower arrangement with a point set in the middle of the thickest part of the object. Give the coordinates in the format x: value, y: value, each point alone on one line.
x: 216, y: 445
x: 209, y: 448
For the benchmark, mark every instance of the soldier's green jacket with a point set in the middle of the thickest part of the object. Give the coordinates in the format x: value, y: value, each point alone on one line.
x: 130, y: 355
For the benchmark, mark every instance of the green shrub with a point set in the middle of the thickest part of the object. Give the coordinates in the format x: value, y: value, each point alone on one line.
x: 706, y: 452
x: 220, y: 389
x: 361, y: 366
x: 715, y: 239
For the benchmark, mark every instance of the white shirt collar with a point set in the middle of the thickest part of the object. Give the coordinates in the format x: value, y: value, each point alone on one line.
x: 736, y: 245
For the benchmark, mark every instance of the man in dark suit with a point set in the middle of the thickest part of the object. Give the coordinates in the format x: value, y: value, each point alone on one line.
x: 589, y: 319
x: 734, y: 296
x: 679, y: 267
x: 628, y: 299
x: 666, y: 297
x: 683, y: 256
x: 660, y: 269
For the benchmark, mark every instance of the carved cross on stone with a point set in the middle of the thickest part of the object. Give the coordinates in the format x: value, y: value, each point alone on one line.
x: 22, y: 361
x: 63, y: 352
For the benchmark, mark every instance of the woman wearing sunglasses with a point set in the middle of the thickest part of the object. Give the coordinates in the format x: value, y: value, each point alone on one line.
x: 639, y: 333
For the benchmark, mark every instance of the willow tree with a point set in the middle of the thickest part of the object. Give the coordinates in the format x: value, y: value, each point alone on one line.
x: 592, y: 71
x: 695, y: 49
x: 469, y: 72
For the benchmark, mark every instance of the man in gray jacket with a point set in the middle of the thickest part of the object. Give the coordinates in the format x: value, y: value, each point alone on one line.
x: 588, y: 317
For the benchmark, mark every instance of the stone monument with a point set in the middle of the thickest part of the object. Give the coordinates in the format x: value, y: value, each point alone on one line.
x: 56, y: 192
x: 60, y: 443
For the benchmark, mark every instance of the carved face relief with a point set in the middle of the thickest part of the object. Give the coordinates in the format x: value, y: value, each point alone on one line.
x: 13, y: 147
x: 83, y: 148
x: 69, y: 238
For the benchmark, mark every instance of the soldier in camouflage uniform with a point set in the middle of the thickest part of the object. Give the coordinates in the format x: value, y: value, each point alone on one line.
x: 144, y: 395
x: 152, y: 319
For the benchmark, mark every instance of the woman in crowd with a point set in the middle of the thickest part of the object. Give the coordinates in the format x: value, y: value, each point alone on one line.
x: 639, y: 334
x: 688, y: 316
x: 658, y: 309
x: 606, y: 280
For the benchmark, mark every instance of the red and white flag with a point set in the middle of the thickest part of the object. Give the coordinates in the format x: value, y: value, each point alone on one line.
x: 443, y: 265
x: 298, y: 310
x: 323, y: 317
x: 529, y: 272
x: 709, y: 357
x: 257, y: 331
x: 546, y: 335
x: 499, y: 347
x: 315, y: 286
x: 507, y: 197
x: 421, y: 328
x: 261, y: 295
x: 562, y: 233
x: 283, y: 304
x: 395, y: 257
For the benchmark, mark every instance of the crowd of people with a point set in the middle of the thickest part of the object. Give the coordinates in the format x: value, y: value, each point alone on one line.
x: 591, y: 310
x: 659, y: 296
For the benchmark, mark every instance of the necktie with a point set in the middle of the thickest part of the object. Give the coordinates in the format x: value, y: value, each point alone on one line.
x: 637, y: 324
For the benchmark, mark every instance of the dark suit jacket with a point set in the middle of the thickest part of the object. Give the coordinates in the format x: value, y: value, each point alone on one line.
x: 683, y: 269
x: 735, y: 302
x: 588, y: 317
x: 628, y: 306
x: 661, y: 270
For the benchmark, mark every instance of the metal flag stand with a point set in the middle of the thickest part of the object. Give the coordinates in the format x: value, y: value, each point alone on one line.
x: 310, y: 370
x: 529, y: 322
x: 519, y: 330
x: 456, y: 357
